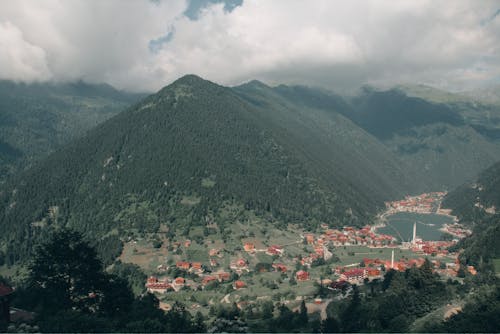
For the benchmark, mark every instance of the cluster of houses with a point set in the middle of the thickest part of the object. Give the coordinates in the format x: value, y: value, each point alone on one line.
x: 373, y: 269
x: 456, y: 230
x: 424, y: 203
x: 272, y: 250
x: 436, y: 248
x: 351, y: 236
x: 370, y: 269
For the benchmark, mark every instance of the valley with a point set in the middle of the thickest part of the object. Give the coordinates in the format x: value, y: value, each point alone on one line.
x: 249, y: 166
x: 256, y: 197
x: 258, y: 263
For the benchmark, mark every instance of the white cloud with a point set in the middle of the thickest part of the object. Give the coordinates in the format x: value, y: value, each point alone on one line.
x: 453, y: 44
x: 20, y: 60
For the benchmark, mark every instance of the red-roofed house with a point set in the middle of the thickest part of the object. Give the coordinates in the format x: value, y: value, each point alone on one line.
x: 239, y: 285
x: 183, y: 265
x: 373, y: 273
x: 241, y: 263
x: 302, y: 275
x: 223, y: 276
x: 249, y: 247
x: 280, y: 267
x: 354, y: 276
x: 179, y: 283
x: 197, y: 266
x: 155, y: 285
x: 274, y: 250
x: 319, y: 251
x: 208, y: 279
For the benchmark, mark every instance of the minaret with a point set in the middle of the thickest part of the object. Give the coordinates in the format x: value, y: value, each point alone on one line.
x: 414, y: 241
x: 392, y: 259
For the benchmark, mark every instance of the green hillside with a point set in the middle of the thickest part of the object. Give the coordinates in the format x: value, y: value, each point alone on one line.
x: 36, y: 119
x: 326, y: 136
x: 472, y: 202
x: 477, y: 204
x: 183, y: 156
x: 438, y: 139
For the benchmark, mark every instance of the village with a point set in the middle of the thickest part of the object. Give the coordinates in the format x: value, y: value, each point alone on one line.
x: 424, y: 203
x: 332, y: 258
x: 368, y: 268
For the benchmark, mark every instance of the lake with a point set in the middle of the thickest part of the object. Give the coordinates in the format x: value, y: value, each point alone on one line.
x: 400, y: 225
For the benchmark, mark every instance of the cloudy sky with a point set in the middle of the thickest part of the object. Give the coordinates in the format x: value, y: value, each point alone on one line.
x: 142, y: 45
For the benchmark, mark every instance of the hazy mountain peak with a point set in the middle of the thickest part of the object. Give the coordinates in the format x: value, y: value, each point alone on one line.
x: 253, y: 84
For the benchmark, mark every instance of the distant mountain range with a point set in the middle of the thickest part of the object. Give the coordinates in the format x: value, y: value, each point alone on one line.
x: 196, y: 153
x: 36, y: 119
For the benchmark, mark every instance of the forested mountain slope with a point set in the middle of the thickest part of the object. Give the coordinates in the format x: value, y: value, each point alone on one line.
x: 474, y: 201
x: 440, y: 142
x: 439, y: 139
x: 36, y: 119
x: 179, y: 157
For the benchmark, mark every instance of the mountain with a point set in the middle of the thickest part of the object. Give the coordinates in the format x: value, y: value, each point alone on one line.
x: 36, y: 119
x: 327, y: 136
x: 489, y: 95
x: 473, y: 201
x: 477, y: 205
x: 439, y: 144
x: 198, y: 153
x: 439, y: 139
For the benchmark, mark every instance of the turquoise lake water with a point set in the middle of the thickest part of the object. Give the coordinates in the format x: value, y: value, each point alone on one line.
x: 400, y: 225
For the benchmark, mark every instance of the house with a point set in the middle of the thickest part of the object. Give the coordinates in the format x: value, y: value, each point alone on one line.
x: 239, y: 285
x: 274, y: 250
x: 373, y: 273
x: 353, y: 276
x: 187, y: 243
x: 249, y: 247
x: 223, y: 276
x: 241, y: 263
x: 319, y: 251
x: 302, y: 275
x: 280, y: 267
x: 309, y: 238
x: 155, y: 285
x: 197, y: 267
x: 208, y: 279
x: 472, y: 270
x: 5, y: 295
x: 178, y: 283
x: 213, y: 252
x: 183, y: 265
